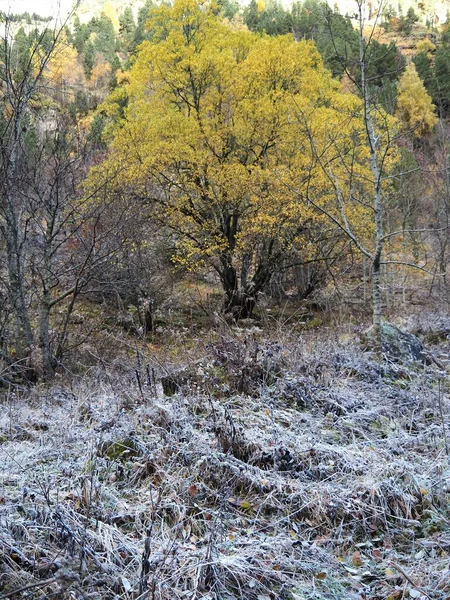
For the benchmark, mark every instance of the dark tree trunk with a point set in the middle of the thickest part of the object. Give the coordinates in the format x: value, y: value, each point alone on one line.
x: 240, y: 303
x: 240, y: 300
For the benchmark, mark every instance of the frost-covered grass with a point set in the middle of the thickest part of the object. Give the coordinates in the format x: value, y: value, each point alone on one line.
x: 326, y: 478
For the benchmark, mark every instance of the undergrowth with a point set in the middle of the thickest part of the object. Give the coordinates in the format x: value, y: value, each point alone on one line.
x: 291, y: 468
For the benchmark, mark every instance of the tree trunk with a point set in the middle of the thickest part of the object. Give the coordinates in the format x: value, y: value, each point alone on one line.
x: 241, y: 300
x: 376, y: 181
x: 240, y: 303
x: 24, y: 335
x: 14, y: 230
x: 46, y: 366
x: 377, y: 303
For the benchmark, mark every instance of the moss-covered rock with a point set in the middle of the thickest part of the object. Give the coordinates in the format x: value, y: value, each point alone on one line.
x: 396, y: 343
x: 119, y: 450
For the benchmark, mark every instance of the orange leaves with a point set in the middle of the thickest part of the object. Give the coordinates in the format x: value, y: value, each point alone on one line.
x: 193, y: 491
x: 101, y: 74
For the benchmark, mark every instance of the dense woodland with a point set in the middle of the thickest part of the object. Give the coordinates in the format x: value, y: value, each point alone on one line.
x: 211, y: 216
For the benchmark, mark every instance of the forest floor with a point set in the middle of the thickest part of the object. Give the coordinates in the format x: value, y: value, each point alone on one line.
x: 287, y: 466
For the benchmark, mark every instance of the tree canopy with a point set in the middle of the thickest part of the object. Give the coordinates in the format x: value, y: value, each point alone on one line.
x: 215, y: 134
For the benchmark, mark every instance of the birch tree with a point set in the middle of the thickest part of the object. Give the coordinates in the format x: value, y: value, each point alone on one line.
x: 367, y: 158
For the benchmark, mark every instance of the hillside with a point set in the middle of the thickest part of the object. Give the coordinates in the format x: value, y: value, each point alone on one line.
x: 433, y: 11
x: 224, y: 305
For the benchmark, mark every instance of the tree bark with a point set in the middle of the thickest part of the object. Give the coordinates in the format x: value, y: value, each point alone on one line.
x: 24, y: 335
x: 240, y: 300
x: 376, y: 180
x: 377, y: 303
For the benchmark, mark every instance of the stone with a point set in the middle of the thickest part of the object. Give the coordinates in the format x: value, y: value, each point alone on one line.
x: 398, y: 344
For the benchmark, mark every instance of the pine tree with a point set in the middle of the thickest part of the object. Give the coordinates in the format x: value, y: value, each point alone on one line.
x: 127, y: 28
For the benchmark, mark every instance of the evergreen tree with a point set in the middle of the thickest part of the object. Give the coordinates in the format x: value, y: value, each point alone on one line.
x: 21, y: 52
x: 81, y: 35
x: 441, y: 94
x: 407, y: 22
x: 88, y: 57
x: 385, y: 63
x: 274, y: 20
x: 435, y: 74
x: 141, y: 33
x: 127, y: 28
x: 422, y: 62
x: 105, y: 40
x: 337, y: 41
x: 228, y: 8
x: 251, y: 16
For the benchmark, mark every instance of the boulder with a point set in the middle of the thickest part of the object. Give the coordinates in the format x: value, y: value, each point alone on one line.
x: 398, y: 344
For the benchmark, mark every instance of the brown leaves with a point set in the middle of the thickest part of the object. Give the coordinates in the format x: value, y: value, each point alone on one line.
x: 193, y: 490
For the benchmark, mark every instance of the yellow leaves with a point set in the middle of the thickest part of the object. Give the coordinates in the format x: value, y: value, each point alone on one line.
x: 227, y: 126
x: 110, y: 11
x: 414, y: 105
x: 425, y: 45
x: 101, y: 74
x: 63, y: 69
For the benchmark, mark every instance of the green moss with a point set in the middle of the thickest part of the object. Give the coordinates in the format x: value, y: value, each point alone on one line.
x: 120, y: 450
x: 384, y: 426
x: 403, y: 384
x: 313, y: 323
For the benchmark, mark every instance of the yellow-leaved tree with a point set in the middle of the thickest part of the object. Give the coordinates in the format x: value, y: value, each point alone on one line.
x: 414, y: 105
x: 212, y: 140
x: 64, y: 72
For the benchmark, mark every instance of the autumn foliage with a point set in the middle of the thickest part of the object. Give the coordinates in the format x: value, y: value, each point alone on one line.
x: 221, y: 136
x: 414, y: 105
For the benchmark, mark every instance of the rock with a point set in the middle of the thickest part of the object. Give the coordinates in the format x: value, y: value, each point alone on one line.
x: 397, y: 344
x: 119, y: 450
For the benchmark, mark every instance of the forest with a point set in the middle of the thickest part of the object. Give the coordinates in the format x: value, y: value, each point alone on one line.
x: 224, y: 302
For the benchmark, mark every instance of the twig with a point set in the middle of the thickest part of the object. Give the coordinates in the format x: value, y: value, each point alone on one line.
x: 138, y: 378
x: 30, y: 586
x: 441, y: 412
x: 408, y: 578
x: 145, y: 562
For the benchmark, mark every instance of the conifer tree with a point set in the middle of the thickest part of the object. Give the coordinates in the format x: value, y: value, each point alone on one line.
x: 414, y: 104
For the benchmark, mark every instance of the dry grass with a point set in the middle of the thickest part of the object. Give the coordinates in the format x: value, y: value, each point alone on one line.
x: 330, y: 481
